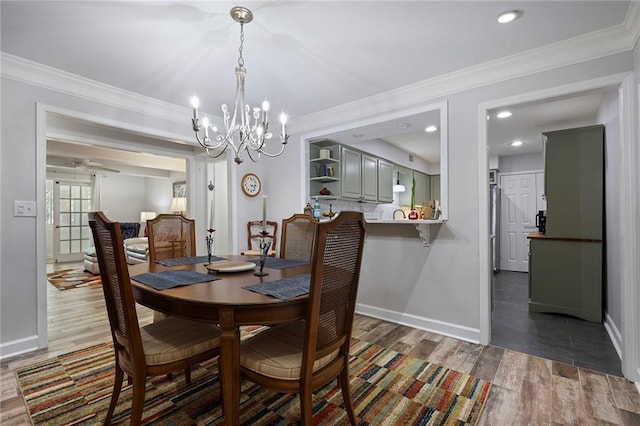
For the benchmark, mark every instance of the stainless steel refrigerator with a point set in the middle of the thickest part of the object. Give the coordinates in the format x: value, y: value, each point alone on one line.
x: 494, y: 225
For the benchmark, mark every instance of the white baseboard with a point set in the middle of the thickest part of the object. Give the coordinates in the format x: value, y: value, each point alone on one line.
x: 614, y: 334
x: 18, y: 347
x: 447, y: 329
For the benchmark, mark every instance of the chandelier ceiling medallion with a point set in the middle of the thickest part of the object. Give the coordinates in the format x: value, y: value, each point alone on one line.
x: 241, y: 133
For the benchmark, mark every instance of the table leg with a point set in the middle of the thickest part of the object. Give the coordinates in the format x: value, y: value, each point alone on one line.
x: 230, y: 371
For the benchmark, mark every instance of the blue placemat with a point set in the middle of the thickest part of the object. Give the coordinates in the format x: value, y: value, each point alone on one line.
x: 169, y: 279
x: 286, y: 288
x: 192, y: 260
x: 278, y: 263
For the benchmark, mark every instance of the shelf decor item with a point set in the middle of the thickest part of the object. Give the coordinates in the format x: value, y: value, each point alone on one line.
x: 325, y: 191
x: 413, y: 214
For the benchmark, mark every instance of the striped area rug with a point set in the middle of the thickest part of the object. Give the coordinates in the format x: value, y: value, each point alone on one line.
x: 388, y: 388
x: 66, y: 279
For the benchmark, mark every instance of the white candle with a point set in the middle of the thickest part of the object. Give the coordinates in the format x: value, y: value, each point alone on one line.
x: 264, y: 213
x: 211, y: 221
x: 195, y: 103
x: 283, y: 120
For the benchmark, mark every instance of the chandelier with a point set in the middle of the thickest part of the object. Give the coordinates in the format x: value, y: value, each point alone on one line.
x: 248, y: 128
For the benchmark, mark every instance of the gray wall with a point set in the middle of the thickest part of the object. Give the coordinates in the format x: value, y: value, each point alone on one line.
x: 521, y: 163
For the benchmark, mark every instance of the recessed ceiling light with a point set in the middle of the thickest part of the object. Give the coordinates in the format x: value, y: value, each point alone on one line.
x: 357, y: 135
x: 509, y: 16
x: 404, y: 125
x: 431, y: 129
x: 516, y: 143
x: 504, y: 114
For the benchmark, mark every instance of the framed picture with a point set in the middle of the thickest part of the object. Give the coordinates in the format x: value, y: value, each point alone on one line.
x: 179, y: 189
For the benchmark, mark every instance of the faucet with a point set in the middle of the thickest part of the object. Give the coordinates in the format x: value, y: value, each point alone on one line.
x: 404, y: 216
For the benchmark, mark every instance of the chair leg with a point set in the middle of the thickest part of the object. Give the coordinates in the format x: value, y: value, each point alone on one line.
x: 346, y: 394
x: 137, y: 399
x: 117, y: 386
x: 306, y: 406
x: 187, y: 375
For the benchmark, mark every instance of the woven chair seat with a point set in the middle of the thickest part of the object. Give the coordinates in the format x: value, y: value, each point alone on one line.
x: 173, y: 339
x: 277, y: 352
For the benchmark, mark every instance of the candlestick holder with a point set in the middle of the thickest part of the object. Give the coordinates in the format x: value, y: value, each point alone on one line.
x: 209, y: 240
x: 264, y: 251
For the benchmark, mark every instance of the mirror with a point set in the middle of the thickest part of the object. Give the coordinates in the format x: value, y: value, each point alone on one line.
x: 403, y: 140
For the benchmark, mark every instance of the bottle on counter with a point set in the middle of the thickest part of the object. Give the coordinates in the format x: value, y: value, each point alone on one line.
x: 316, y: 209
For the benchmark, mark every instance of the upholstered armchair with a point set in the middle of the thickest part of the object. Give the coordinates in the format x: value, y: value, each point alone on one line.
x: 129, y: 230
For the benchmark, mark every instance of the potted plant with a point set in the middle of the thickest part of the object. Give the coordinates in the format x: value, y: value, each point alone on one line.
x: 413, y: 214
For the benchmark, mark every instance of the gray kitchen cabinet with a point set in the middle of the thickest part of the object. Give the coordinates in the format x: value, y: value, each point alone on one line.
x: 385, y: 181
x: 369, y: 168
x: 351, y: 173
x: 565, y: 276
x: 574, y: 182
x: 565, y: 267
x: 359, y: 175
x: 435, y: 187
x: 423, y: 188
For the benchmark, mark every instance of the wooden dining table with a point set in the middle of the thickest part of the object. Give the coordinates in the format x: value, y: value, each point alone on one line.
x: 224, y: 302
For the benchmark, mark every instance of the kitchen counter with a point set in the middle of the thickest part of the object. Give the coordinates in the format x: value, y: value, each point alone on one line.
x: 403, y: 221
x: 543, y: 236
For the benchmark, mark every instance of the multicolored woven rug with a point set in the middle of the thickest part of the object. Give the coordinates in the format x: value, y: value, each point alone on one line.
x: 66, y: 279
x: 387, y: 387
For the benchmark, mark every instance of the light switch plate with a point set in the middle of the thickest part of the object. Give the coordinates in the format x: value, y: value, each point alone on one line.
x: 24, y: 208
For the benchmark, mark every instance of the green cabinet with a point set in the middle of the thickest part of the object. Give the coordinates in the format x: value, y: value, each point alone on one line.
x: 574, y: 182
x: 385, y: 181
x: 565, y: 276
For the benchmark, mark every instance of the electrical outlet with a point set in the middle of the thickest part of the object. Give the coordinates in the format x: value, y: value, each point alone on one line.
x: 24, y: 208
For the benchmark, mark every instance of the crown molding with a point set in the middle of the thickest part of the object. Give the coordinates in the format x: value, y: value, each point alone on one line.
x: 597, y: 44
x: 36, y: 74
x: 594, y: 45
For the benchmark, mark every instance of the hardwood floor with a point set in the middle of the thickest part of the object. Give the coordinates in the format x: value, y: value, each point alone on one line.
x: 527, y: 390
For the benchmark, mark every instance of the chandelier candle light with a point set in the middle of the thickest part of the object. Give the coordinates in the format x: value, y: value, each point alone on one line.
x: 240, y: 133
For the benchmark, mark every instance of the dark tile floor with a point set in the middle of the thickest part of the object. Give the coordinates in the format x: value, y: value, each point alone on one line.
x: 558, y: 337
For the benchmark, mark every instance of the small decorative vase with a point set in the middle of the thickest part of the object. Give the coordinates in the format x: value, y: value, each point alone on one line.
x: 325, y: 191
x: 413, y: 215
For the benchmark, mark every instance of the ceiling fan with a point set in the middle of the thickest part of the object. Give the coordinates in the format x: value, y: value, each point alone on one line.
x: 78, y: 163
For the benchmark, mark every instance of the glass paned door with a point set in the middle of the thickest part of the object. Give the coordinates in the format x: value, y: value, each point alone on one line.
x: 72, y: 234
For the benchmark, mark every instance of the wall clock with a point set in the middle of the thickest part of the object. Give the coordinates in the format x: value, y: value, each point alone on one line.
x: 250, y: 184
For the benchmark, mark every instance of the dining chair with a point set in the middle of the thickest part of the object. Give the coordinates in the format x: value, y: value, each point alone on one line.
x: 254, y: 237
x: 300, y: 356
x: 171, y: 236
x: 298, y: 237
x: 154, y: 349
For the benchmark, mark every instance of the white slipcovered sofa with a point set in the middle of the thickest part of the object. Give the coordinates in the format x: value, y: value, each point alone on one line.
x: 136, y: 250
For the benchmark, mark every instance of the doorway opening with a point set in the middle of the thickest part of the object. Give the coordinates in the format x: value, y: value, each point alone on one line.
x: 508, y: 321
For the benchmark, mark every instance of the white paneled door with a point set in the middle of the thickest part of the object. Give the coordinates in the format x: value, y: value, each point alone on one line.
x: 518, y: 214
x: 71, y: 235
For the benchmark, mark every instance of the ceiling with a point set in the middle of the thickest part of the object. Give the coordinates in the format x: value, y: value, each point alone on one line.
x: 305, y: 56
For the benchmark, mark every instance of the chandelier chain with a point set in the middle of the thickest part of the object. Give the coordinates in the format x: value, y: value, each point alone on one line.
x: 240, y: 58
